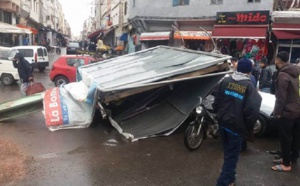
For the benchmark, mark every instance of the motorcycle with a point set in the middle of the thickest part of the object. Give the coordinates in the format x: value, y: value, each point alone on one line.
x: 58, y: 50
x: 203, y: 126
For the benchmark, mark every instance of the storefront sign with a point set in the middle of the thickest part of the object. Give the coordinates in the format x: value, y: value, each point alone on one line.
x: 243, y: 18
x: 201, y: 35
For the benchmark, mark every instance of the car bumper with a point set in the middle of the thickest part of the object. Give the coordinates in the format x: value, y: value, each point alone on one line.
x: 40, y: 64
x: 72, y: 52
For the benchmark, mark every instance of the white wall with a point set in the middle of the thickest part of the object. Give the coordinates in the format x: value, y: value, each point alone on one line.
x: 196, y: 8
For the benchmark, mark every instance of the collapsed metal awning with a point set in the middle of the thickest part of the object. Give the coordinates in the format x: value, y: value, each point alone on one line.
x: 147, y: 66
x: 152, y: 92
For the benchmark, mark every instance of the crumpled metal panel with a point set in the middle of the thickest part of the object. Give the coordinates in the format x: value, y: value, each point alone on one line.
x: 168, y: 115
x: 148, y: 66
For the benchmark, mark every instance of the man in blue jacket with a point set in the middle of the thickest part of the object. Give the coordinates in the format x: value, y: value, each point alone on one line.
x: 24, y: 70
x: 237, y: 105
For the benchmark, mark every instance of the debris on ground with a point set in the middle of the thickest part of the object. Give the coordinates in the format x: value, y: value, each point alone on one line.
x: 12, y: 164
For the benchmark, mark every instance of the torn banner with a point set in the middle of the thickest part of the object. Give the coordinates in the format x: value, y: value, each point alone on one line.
x: 69, y: 106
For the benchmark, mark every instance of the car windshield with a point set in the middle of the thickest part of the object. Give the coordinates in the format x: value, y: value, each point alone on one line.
x: 7, y: 53
x: 73, y: 44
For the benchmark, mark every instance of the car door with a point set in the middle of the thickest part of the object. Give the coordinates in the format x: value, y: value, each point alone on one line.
x: 40, y: 55
x: 70, y: 70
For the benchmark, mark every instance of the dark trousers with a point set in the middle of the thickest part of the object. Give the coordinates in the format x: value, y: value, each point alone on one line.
x: 232, y: 145
x: 289, y: 134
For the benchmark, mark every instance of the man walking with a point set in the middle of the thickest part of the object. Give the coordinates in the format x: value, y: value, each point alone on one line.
x: 287, y: 111
x: 24, y: 70
x: 237, y: 104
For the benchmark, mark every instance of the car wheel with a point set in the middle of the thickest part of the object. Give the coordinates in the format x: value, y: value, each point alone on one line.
x: 260, y: 126
x: 59, y: 80
x: 7, y: 79
x: 41, y: 69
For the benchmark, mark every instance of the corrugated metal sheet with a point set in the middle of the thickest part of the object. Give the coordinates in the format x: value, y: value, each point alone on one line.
x: 147, y: 66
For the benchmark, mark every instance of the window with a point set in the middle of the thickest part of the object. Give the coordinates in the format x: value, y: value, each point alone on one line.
x: 253, y: 1
x: 45, y: 52
x: 133, y: 3
x: 48, y: 18
x: 181, y: 2
x: 40, y: 52
x: 75, y: 62
x: 216, y: 2
x: 26, y: 52
x: 125, y: 8
x: 292, y: 47
x: 7, y: 17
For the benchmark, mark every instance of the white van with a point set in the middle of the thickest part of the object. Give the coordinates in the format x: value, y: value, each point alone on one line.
x: 8, y: 74
x: 37, y: 56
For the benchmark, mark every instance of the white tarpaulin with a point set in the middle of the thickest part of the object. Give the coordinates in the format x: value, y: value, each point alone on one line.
x: 11, y: 29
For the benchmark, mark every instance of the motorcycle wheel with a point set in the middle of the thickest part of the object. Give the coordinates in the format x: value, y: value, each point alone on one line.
x: 192, y: 141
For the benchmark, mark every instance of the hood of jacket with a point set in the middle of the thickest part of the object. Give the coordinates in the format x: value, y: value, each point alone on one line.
x: 238, y: 76
x: 292, y: 70
x: 19, y: 56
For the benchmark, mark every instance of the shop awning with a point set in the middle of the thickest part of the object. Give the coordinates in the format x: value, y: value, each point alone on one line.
x: 286, y: 31
x: 149, y: 36
x: 33, y: 30
x: 240, y: 31
x: 105, y: 33
x: 96, y: 33
x: 11, y: 29
x: 197, y: 35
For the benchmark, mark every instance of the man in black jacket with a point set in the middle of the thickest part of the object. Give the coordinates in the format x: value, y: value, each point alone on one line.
x: 237, y: 105
x: 265, y: 78
x: 24, y: 70
x: 287, y: 111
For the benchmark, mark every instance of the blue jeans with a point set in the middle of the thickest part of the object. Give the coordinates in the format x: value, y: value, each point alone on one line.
x: 232, y: 145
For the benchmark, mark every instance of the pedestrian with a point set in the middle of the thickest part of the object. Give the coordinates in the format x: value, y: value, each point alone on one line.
x: 25, y: 41
x: 256, y: 71
x: 287, y: 111
x: 85, y: 45
x: 237, y: 104
x: 24, y: 71
x: 265, y: 78
x: 234, y: 62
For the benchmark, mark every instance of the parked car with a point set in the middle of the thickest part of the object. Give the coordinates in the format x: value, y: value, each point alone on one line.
x: 64, y: 69
x: 265, y: 120
x: 37, y: 56
x: 73, y: 48
x: 8, y: 74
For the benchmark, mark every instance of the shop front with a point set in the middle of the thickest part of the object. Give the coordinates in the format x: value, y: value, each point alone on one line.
x: 152, y: 39
x: 35, y: 33
x: 288, y: 39
x: 195, y: 40
x: 242, y: 34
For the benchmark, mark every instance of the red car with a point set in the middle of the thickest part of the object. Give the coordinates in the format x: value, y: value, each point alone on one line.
x: 64, y: 69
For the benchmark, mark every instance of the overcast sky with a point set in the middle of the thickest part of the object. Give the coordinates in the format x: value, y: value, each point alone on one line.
x: 76, y: 12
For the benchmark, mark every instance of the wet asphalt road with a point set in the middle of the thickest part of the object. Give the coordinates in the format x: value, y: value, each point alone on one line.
x: 99, y: 156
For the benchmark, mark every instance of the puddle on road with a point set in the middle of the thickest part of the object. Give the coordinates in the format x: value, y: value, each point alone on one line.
x: 111, y: 142
x: 46, y: 156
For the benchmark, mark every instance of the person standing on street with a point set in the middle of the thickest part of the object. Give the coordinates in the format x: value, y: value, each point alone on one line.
x: 287, y: 111
x: 24, y: 70
x: 265, y: 78
x: 237, y: 104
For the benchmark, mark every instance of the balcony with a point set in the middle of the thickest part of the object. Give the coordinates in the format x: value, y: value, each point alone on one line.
x: 12, y: 6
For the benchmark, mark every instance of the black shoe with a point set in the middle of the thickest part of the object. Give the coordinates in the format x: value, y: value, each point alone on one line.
x: 274, y: 152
